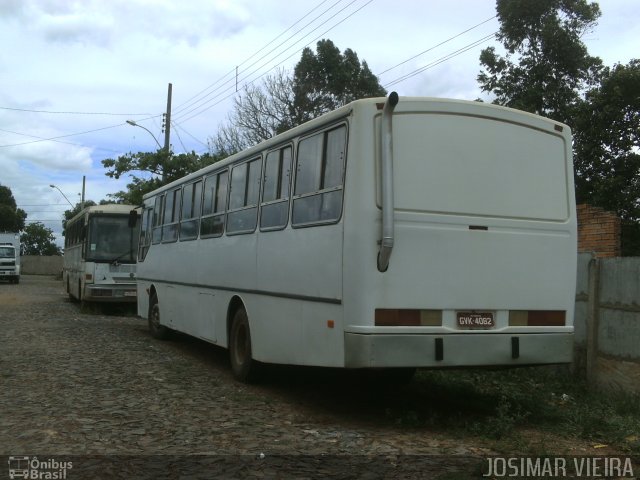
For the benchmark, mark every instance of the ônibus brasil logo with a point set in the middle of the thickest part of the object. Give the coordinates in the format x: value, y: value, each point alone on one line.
x: 35, y: 469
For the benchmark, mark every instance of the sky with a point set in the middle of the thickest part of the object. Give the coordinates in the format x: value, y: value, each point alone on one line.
x: 73, y: 72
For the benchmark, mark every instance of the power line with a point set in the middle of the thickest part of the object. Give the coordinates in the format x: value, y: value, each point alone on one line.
x: 272, y: 68
x: 62, y: 136
x: 440, y: 60
x: 185, y: 131
x: 183, y: 106
x: 57, y: 141
x: 51, y: 139
x: 193, y: 107
x: 73, y: 113
x: 436, y: 46
x: 179, y: 137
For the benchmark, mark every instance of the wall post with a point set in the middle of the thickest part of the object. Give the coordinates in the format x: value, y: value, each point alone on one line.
x: 593, y: 307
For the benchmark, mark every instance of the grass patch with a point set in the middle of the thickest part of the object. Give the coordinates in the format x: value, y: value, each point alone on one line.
x: 495, y: 404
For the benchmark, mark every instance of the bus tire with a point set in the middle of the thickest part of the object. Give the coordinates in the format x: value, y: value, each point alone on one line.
x: 243, y: 366
x: 157, y: 331
x: 69, y: 293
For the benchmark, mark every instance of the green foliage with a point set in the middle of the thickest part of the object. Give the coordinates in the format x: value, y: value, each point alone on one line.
x: 547, y: 70
x: 158, y: 168
x: 546, y: 65
x: 38, y: 240
x: 11, y: 218
x: 69, y: 214
x: 327, y: 79
x: 322, y: 81
x: 607, y: 142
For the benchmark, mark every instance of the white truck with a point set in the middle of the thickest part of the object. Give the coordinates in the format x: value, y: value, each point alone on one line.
x: 10, y: 257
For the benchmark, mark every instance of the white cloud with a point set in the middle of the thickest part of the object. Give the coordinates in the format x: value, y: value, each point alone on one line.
x: 119, y: 55
x: 54, y: 156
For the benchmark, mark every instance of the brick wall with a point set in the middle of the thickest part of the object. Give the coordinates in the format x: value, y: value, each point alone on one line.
x: 598, y: 231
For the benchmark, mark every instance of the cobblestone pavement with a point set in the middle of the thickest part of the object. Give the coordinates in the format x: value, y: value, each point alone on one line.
x: 92, y: 383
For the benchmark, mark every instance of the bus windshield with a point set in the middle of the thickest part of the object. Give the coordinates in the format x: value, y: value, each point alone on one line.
x: 111, y: 239
x: 7, y: 252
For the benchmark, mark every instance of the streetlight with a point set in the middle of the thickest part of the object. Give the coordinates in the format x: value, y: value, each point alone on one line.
x: 131, y: 122
x: 65, y: 197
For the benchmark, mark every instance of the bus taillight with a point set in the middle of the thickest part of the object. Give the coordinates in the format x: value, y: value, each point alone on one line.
x: 537, y: 318
x: 393, y: 317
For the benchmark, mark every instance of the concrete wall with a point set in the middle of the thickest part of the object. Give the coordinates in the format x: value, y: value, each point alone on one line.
x: 607, y: 321
x: 40, y: 265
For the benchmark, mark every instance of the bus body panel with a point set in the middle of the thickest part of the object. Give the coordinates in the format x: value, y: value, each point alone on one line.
x: 459, y: 248
x: 411, y: 350
x: 484, y: 221
x: 99, y: 257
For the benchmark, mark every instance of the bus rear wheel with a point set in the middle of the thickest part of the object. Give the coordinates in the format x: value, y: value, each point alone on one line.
x: 243, y: 366
x: 157, y: 331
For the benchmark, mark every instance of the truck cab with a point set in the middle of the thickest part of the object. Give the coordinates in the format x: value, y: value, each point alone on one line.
x: 10, y: 257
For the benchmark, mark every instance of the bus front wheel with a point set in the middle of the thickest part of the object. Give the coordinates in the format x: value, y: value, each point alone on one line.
x: 157, y: 331
x: 243, y: 366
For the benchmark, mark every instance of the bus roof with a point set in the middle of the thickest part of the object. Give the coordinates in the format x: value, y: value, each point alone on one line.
x: 406, y: 104
x: 111, y: 208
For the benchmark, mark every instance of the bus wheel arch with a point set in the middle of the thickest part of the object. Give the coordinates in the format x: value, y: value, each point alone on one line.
x: 243, y: 366
x: 156, y: 330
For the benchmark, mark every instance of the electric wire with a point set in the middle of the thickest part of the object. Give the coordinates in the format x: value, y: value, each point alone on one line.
x: 57, y: 141
x: 202, y: 101
x: 179, y: 137
x: 183, y: 106
x: 440, y: 60
x: 202, y: 110
x: 186, y: 132
x: 73, y: 113
x: 436, y: 46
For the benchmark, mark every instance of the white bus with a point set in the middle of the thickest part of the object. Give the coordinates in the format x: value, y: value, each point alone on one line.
x: 100, y: 254
x: 412, y: 232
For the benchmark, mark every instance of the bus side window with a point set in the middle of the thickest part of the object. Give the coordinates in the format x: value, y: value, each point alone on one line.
x: 244, y: 197
x: 214, y: 205
x: 190, y: 218
x: 145, y: 234
x: 319, y: 178
x: 274, y: 213
x: 157, y: 219
x: 170, y: 216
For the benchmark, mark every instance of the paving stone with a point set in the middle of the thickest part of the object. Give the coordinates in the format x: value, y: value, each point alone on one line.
x: 78, y: 382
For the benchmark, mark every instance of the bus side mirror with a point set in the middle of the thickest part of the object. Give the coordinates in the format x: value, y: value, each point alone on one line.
x: 133, y: 218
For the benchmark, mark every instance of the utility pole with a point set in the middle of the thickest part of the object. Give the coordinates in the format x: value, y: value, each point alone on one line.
x: 84, y: 181
x: 167, y: 128
x: 167, y: 122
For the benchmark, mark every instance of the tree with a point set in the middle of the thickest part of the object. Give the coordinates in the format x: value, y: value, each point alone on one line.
x: 546, y: 66
x: 38, y: 240
x: 321, y: 82
x: 11, y: 218
x: 328, y: 79
x: 607, y: 143
x: 547, y: 70
x: 259, y: 112
x: 69, y: 214
x: 158, y: 167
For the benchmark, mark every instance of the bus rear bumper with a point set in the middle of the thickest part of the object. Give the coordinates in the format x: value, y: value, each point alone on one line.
x: 111, y: 293
x: 456, y: 350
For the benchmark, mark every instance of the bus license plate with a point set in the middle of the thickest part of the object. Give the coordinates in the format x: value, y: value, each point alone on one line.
x: 471, y: 320
x: 130, y: 294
